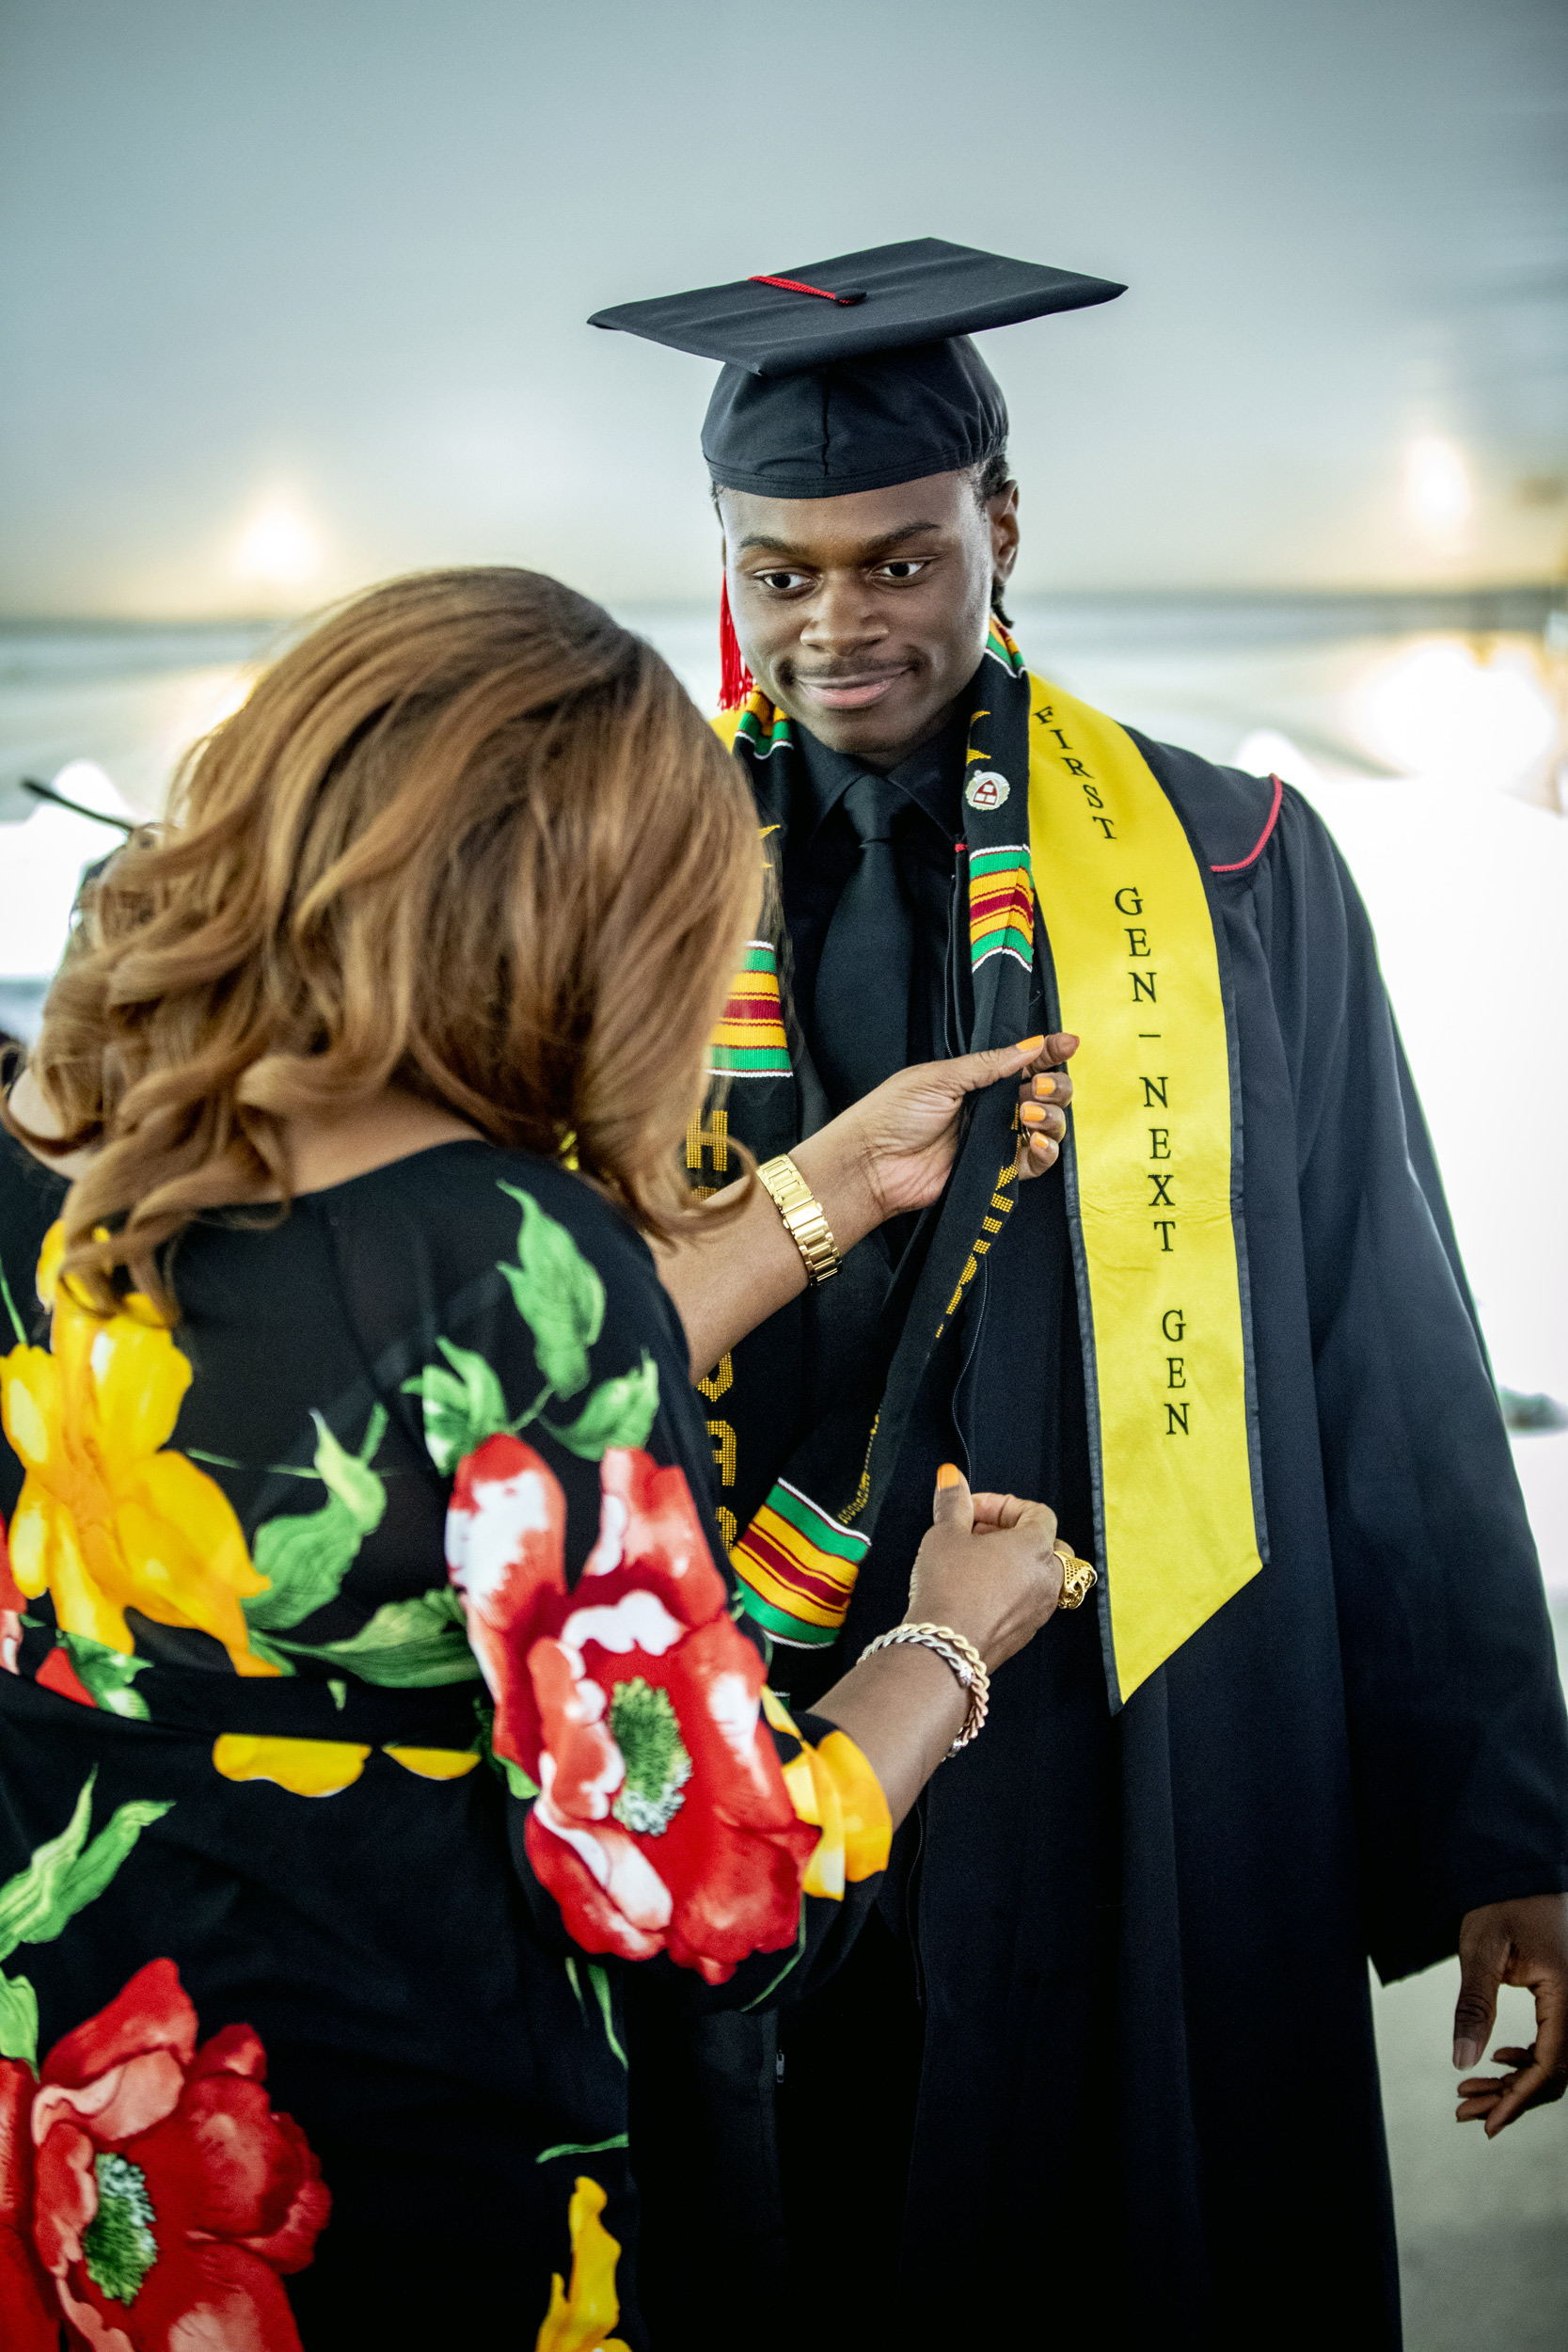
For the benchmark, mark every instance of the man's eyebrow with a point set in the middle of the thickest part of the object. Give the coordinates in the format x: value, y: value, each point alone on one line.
x: 869, y: 552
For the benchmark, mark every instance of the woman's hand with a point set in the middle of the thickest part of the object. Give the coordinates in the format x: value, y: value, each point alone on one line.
x: 904, y: 1133
x: 985, y: 1570
x: 1043, y: 1095
x: 884, y: 1156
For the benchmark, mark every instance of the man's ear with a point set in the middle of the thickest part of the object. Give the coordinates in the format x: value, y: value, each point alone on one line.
x: 1003, y: 511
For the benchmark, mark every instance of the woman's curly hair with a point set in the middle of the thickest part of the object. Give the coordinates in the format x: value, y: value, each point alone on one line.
x: 468, y: 837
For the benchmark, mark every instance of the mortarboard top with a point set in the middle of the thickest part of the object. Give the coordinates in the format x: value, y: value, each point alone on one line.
x: 857, y: 372
x: 886, y: 299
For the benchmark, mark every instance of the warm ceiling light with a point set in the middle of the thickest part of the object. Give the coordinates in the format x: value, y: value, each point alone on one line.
x: 1438, y: 712
x: 278, y: 547
x: 1438, y: 495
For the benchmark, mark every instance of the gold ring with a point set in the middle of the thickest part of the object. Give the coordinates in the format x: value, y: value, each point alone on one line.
x: 1079, y: 1576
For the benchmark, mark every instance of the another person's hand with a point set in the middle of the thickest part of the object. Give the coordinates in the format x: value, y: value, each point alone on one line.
x: 1522, y: 1942
x: 904, y: 1133
x: 987, y: 1569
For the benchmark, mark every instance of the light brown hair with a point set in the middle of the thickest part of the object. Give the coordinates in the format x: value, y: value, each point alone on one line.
x: 469, y: 837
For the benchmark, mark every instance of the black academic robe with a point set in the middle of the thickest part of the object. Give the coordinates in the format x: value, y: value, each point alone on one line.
x: 1112, y: 2054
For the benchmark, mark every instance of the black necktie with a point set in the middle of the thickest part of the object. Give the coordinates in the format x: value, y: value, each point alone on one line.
x: 860, y: 1029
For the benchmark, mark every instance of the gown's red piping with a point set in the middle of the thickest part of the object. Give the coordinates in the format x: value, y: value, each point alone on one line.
x: 1243, y: 863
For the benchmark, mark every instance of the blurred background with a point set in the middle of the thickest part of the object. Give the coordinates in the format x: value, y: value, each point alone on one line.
x: 292, y: 298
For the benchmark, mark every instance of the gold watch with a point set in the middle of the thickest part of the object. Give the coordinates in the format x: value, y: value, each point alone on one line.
x: 803, y: 1215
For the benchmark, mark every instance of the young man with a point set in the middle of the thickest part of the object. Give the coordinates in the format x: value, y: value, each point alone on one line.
x: 1109, y: 2061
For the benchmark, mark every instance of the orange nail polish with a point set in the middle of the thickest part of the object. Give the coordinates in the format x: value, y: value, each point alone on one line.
x: 1028, y: 1045
x: 948, y: 1475
x: 1045, y: 1086
x: 1031, y: 1114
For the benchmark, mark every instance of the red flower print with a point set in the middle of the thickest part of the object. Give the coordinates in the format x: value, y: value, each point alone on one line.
x: 29, y: 2313
x: 167, y: 2196
x: 662, y: 1822
x: 58, y: 1675
x: 13, y: 1600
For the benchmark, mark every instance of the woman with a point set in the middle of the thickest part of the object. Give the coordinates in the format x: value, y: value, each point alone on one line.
x: 376, y: 1690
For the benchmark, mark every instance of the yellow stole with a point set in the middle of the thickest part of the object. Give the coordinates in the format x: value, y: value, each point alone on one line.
x: 1155, y: 1196
x: 1137, y: 977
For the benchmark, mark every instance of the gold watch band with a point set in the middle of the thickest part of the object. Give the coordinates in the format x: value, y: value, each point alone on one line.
x: 803, y: 1219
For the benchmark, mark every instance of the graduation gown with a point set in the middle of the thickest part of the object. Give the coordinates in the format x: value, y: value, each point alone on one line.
x: 1112, y: 2062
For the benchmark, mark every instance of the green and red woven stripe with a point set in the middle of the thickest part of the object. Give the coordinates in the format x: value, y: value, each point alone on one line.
x: 750, y: 1040
x: 1002, y: 904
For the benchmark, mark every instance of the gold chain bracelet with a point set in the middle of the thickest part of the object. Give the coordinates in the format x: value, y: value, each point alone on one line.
x: 962, y: 1655
x: 803, y: 1219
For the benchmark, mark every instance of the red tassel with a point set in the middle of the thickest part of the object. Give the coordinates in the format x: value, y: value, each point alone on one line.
x: 735, y: 680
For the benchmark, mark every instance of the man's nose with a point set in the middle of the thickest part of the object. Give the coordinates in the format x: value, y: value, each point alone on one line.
x: 843, y: 617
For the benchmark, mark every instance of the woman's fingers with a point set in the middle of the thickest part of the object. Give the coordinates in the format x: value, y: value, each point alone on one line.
x: 1028, y: 1061
x: 995, y: 1510
x: 967, y: 1072
x: 986, y: 1568
x: 1041, y: 1131
x: 1046, y: 1086
x: 954, y: 1506
x: 1003, y: 1511
x: 1043, y: 1095
x: 1060, y: 1046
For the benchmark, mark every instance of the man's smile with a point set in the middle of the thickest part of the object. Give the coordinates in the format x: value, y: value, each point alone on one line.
x: 853, y: 690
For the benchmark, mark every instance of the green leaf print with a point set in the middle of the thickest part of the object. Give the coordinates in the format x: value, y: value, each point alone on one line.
x: 407, y: 1646
x: 305, y: 1555
x: 108, y: 1675
x: 558, y: 1294
x: 30, y: 1897
x: 19, y: 2020
x: 59, y: 1881
x: 91, y: 1875
x: 517, y: 1781
x: 620, y: 1412
x: 462, y: 1407
x: 582, y: 2147
x: 60, y: 1878
x: 349, y: 1477
x: 793, y: 1961
x: 599, y: 1978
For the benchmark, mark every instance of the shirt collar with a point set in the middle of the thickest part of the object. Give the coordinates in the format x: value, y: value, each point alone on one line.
x: 931, y: 778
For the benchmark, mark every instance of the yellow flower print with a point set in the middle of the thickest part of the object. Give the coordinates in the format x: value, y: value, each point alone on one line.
x: 435, y: 1763
x: 305, y: 1768
x: 580, y: 2320
x: 867, y: 1824
x: 107, y: 1520
x: 320, y: 1768
x: 832, y: 1786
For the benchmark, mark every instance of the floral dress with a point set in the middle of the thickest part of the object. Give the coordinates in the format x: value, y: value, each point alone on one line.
x: 376, y: 1698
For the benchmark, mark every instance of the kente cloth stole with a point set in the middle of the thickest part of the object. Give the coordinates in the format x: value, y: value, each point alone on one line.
x: 1075, y: 857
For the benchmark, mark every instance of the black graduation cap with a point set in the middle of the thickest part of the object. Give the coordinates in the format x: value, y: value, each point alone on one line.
x: 858, y: 373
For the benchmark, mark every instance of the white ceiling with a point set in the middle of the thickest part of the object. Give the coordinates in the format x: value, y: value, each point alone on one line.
x: 330, y: 263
